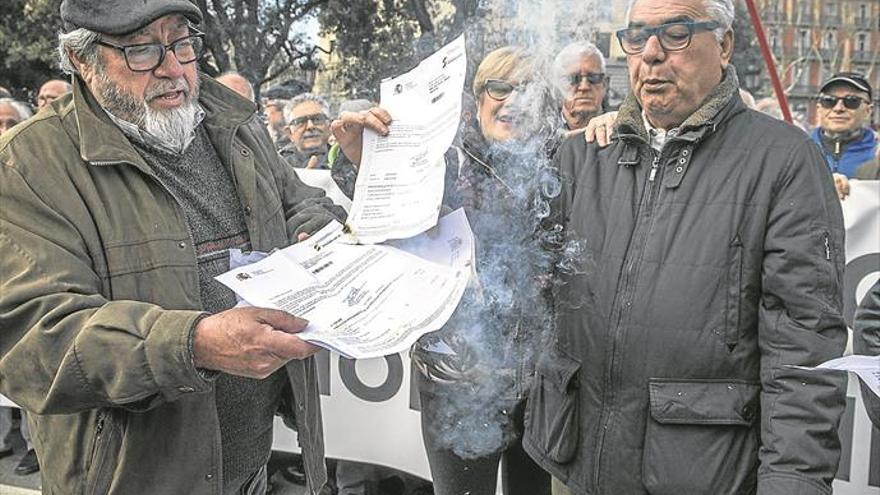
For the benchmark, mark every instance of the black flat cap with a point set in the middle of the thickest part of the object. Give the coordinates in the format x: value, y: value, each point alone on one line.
x: 122, y: 16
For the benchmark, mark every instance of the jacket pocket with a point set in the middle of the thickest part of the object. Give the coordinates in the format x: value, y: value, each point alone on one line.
x: 552, y: 424
x: 701, y: 437
x: 105, y: 448
x: 734, y: 294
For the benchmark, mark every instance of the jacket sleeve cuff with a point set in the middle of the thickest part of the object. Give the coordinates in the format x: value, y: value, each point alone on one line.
x: 790, y: 484
x: 169, y: 353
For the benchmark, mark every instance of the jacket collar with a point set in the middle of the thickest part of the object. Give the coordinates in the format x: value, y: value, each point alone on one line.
x: 102, y: 142
x: 723, y: 101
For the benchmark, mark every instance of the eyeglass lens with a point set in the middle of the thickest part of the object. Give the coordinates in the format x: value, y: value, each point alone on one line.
x: 499, y: 90
x: 849, y: 101
x: 148, y: 57
x: 591, y: 77
x: 674, y: 36
x: 317, y: 119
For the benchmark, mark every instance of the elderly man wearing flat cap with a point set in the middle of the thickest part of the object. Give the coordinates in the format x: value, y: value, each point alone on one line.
x: 118, y: 206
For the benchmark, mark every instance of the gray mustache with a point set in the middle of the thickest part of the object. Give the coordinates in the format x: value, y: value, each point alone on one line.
x: 168, y: 86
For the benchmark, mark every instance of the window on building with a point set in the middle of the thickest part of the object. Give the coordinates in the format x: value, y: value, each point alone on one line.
x: 862, y: 42
x: 830, y: 40
x: 774, y: 40
x: 804, y: 75
x: 831, y: 9
x: 863, y: 12
x: 803, y: 41
x: 804, y: 11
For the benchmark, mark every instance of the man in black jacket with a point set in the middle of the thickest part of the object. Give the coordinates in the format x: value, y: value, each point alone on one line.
x: 712, y: 254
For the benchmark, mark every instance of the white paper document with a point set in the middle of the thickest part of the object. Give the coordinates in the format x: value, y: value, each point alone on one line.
x: 364, y: 301
x: 322, y: 179
x: 399, y: 186
x: 865, y: 367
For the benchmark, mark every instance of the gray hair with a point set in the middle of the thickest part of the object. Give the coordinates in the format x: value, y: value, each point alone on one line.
x: 302, y: 98
x: 81, y: 43
x: 24, y: 111
x: 571, y: 54
x: 721, y: 11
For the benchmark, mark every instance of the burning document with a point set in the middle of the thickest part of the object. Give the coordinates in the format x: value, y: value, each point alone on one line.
x: 865, y: 367
x: 364, y: 301
x: 399, y: 186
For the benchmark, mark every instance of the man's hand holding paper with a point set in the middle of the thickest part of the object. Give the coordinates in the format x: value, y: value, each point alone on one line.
x: 400, y: 181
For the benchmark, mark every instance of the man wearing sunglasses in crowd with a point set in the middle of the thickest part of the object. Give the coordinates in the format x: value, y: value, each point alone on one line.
x: 579, y: 77
x: 308, y: 123
x: 119, y: 205
x: 713, y: 243
x: 845, y: 107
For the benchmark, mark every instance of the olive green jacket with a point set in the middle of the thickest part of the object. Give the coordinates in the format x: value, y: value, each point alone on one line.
x: 99, y: 293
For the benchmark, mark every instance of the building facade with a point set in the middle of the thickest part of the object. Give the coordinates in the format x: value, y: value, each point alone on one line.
x: 813, y: 39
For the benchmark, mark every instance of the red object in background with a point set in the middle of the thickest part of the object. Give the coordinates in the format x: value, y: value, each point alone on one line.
x: 768, y: 60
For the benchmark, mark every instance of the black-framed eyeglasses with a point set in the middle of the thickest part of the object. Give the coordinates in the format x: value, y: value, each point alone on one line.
x: 851, y: 102
x: 500, y: 90
x: 673, y: 36
x: 144, y: 57
x: 574, y: 80
x: 316, y: 119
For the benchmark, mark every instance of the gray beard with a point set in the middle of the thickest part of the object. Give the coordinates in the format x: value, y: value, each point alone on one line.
x: 171, y: 127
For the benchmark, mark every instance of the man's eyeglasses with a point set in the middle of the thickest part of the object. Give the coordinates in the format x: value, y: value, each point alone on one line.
x: 500, y: 90
x: 145, y: 57
x: 316, y: 119
x: 851, y: 102
x: 673, y: 36
x: 574, y: 80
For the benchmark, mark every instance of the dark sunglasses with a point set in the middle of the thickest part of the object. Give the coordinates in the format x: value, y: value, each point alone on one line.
x: 145, y: 57
x: 673, y: 36
x: 316, y: 119
x: 574, y: 80
x: 851, y: 102
x: 500, y: 90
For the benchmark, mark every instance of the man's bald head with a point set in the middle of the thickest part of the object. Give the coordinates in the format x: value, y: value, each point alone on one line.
x: 237, y: 83
x: 50, y: 91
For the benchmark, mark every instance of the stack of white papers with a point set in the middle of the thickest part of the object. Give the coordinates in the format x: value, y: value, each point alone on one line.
x: 364, y: 301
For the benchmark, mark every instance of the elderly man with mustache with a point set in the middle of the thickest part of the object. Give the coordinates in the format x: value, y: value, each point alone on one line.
x: 119, y: 205
x: 308, y: 123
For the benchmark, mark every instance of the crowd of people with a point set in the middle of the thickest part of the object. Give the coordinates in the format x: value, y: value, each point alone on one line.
x: 648, y: 279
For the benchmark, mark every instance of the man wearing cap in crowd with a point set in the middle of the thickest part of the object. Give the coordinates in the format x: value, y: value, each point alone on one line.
x: 119, y: 205
x: 844, y: 106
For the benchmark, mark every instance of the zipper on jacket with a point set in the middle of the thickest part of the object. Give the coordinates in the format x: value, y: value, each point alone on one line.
x: 654, y: 166
x: 827, y: 247
x: 632, y: 260
x: 96, y: 480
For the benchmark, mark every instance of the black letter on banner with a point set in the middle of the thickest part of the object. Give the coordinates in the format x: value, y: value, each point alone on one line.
x: 383, y: 392
x: 856, y: 270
